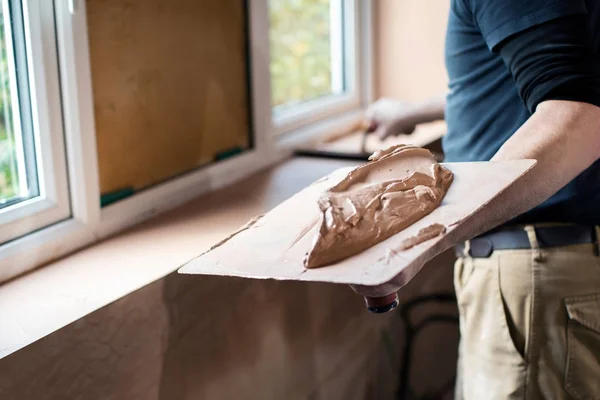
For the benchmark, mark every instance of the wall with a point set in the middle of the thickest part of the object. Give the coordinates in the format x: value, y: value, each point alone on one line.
x: 174, y: 340
x: 202, y: 337
x: 409, y: 48
x: 170, y: 87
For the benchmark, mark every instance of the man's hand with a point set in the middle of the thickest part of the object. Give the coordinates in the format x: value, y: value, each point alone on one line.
x: 563, y: 136
x: 394, y: 117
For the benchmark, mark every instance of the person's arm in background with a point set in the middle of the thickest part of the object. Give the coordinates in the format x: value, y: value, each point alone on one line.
x: 394, y: 117
x: 557, y: 72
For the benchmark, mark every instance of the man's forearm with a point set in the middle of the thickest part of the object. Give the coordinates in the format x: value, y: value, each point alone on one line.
x: 431, y: 109
x: 564, y: 137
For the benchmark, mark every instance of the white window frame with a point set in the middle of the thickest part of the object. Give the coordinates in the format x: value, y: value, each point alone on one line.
x: 52, y: 204
x: 88, y: 222
x: 356, y: 39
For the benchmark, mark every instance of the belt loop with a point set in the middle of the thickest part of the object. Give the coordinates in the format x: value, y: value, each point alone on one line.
x: 533, y: 242
x: 467, y: 251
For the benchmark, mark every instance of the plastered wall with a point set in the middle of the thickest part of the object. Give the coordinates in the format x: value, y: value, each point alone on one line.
x: 409, y: 37
x: 175, y: 339
x: 186, y: 337
x: 170, y: 86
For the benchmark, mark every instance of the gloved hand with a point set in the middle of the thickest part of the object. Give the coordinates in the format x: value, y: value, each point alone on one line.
x: 392, y: 117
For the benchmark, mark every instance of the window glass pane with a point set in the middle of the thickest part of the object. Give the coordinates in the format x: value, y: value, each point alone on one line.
x: 18, y: 180
x: 306, y: 50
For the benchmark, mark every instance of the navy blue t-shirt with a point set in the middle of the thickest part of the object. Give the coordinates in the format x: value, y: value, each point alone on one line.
x: 483, y: 107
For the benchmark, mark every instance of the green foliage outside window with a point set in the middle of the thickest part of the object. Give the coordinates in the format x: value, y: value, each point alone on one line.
x: 8, y: 167
x: 300, y: 50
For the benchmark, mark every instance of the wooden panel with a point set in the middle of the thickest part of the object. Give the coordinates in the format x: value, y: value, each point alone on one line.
x: 275, y: 246
x: 170, y: 86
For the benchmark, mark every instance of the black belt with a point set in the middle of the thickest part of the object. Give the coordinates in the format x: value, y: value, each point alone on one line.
x: 516, y: 238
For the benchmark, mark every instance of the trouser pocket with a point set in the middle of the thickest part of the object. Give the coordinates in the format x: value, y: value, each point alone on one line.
x: 582, y: 376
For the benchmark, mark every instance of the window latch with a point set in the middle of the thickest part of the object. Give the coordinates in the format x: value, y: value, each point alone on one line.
x: 72, y: 6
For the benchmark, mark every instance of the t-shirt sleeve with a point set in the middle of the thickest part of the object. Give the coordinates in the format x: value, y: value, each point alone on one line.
x: 556, y: 60
x: 499, y: 19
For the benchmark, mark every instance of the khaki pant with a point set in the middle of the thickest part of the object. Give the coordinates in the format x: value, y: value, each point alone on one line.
x: 530, y: 324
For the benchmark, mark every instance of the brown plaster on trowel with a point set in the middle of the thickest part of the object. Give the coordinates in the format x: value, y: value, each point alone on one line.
x: 377, y: 200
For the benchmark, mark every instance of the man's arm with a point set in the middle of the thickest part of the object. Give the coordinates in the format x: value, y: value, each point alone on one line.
x: 431, y: 109
x: 557, y: 73
x: 556, y: 68
x: 394, y: 117
x: 564, y: 137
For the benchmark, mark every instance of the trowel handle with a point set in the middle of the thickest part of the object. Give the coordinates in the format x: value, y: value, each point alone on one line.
x: 380, y: 305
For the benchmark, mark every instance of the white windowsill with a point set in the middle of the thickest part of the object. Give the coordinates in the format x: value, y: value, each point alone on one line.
x: 45, y: 300
x: 49, y: 298
x: 41, y: 302
x: 316, y: 132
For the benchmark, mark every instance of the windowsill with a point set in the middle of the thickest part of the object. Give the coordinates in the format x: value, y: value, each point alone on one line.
x: 423, y: 136
x: 64, y: 291
x: 325, y: 130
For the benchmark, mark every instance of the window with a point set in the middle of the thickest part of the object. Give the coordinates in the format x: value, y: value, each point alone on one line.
x: 312, y: 47
x: 33, y: 179
x: 49, y: 164
x: 18, y: 177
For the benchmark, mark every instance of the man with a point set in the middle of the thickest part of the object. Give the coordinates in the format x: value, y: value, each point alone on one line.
x: 524, y: 84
